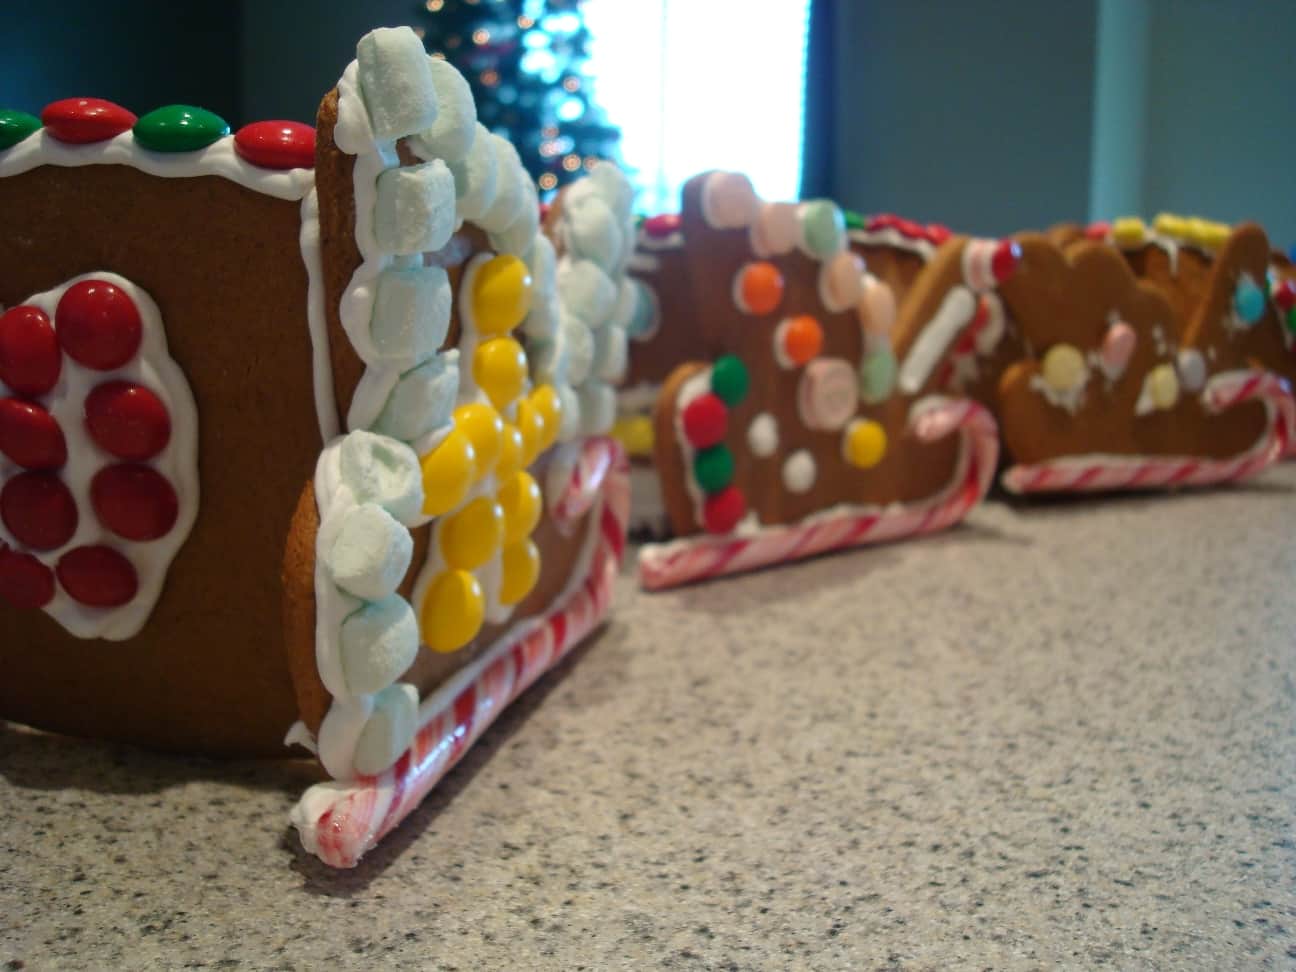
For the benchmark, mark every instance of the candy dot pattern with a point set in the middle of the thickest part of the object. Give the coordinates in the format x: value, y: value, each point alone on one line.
x: 483, y: 561
x: 98, y: 448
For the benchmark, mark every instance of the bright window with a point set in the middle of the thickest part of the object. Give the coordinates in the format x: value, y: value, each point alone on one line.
x: 702, y: 84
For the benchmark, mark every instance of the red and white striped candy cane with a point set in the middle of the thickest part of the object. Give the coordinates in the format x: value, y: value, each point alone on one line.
x: 704, y: 556
x: 584, y: 467
x: 1099, y: 473
x: 340, y: 821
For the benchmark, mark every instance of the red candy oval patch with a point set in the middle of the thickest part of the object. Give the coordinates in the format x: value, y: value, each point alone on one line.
x: 24, y: 581
x: 38, y: 510
x: 722, y: 511
x: 98, y: 325
x: 705, y: 420
x: 134, y: 502
x: 97, y: 577
x: 84, y: 120
x: 127, y: 420
x: 30, y: 436
x: 277, y: 144
x: 30, y: 360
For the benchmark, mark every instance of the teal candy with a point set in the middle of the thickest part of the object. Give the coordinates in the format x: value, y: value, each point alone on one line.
x: 877, y: 376
x: 179, y: 128
x: 823, y: 228
x: 1248, y: 301
x: 15, y: 126
x: 713, y: 468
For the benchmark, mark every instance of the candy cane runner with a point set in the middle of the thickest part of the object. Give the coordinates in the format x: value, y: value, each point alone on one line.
x: 1096, y: 473
x: 931, y: 418
x: 340, y: 821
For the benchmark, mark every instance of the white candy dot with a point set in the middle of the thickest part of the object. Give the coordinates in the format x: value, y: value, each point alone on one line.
x: 799, y: 471
x: 762, y: 435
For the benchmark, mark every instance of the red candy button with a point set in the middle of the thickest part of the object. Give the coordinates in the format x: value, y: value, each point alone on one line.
x: 723, y: 510
x: 30, y: 436
x: 30, y: 359
x: 38, y: 510
x: 127, y: 420
x: 705, y: 420
x: 98, y: 324
x: 1284, y: 295
x: 1097, y: 231
x: 24, y: 581
x: 82, y: 120
x: 97, y: 576
x: 663, y: 225
x: 134, y: 502
x: 1005, y: 259
x: 277, y: 144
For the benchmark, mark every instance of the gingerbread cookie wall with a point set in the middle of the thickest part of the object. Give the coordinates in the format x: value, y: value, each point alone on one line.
x: 178, y: 352
x: 791, y: 438
x: 1096, y: 381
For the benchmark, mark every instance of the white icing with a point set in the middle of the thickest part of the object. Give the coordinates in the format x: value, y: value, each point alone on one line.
x: 893, y: 238
x: 992, y: 332
x: 763, y: 435
x: 1069, y: 399
x: 799, y: 472
x: 152, y: 367
x: 691, y: 388
x: 326, y: 412
x: 218, y: 159
x: 952, y: 316
x: 977, y: 260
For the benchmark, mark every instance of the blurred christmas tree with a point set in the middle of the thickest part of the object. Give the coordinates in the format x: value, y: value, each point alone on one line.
x: 527, y: 64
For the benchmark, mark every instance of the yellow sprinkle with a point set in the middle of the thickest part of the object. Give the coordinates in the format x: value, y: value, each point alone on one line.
x: 448, y: 472
x: 1168, y: 224
x: 1163, y: 385
x: 1216, y: 235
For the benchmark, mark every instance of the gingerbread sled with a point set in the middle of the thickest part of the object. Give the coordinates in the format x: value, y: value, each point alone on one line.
x: 1097, y: 378
x: 777, y: 432
x: 274, y: 461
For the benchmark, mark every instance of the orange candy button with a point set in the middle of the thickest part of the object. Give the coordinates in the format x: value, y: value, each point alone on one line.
x: 798, y: 340
x: 759, y: 288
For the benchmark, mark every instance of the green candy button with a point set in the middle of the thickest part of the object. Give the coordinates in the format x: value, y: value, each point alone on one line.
x: 713, y: 468
x: 179, y: 128
x: 729, y: 379
x: 15, y: 126
x: 854, y: 220
x: 1291, y: 320
x: 823, y: 228
x: 877, y: 376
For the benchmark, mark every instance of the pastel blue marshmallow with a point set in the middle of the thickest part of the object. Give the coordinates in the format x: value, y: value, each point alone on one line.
x: 415, y: 209
x: 421, y: 401
x: 411, y: 313
x: 370, y: 554
x: 379, y: 642
x: 389, y: 730
x: 381, y: 470
x: 396, y: 82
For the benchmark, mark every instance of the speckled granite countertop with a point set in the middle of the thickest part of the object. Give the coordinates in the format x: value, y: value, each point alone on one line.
x: 1062, y: 735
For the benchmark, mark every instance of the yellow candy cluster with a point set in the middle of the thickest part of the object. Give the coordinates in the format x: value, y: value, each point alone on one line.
x: 500, y: 440
x: 1190, y: 229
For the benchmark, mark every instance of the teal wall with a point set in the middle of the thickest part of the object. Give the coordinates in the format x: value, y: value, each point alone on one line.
x: 975, y: 114
x: 1012, y: 114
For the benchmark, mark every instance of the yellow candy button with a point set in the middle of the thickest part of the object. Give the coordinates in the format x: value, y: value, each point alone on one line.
x: 501, y: 295
x: 521, y: 569
x: 448, y: 472
x: 510, y: 456
x: 532, y: 426
x: 484, y: 428
x: 864, y: 443
x: 549, y: 405
x: 1129, y: 231
x: 1063, y: 367
x: 470, y: 537
x: 1215, y: 235
x: 1169, y: 224
x: 519, y: 498
x: 499, y: 368
x: 1163, y: 386
x: 452, y: 612
x: 635, y: 433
